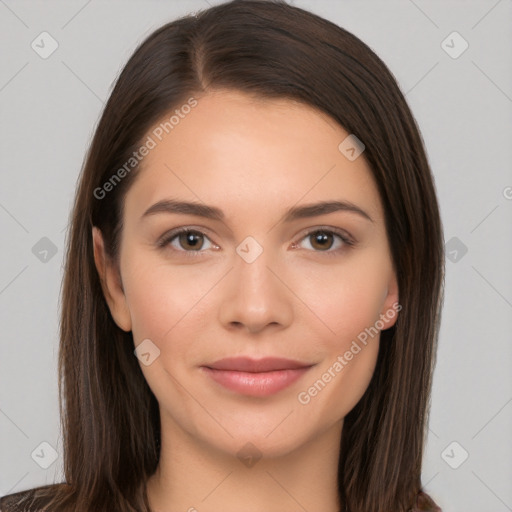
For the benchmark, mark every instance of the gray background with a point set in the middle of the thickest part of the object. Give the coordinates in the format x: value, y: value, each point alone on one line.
x: 49, y: 108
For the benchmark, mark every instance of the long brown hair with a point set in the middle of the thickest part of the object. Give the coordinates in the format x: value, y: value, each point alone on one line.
x: 110, y: 418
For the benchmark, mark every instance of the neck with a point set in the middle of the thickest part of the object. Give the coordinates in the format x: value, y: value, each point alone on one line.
x: 195, y: 476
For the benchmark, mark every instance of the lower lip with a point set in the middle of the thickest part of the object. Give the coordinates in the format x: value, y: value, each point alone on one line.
x: 255, y: 384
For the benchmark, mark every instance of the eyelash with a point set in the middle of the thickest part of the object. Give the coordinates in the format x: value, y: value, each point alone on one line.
x: 347, y: 242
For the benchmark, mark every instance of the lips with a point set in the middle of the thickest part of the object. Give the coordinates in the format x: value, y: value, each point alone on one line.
x: 246, y: 364
x: 256, y: 377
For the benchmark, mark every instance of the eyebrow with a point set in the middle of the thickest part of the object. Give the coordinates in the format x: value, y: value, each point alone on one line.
x: 211, y: 212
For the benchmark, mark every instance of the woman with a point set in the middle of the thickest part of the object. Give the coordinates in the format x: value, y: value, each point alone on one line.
x: 253, y: 283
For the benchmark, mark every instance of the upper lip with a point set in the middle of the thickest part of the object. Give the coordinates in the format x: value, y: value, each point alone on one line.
x: 246, y: 364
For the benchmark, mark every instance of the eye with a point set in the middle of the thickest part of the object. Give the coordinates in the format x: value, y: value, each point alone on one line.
x: 191, y: 241
x: 185, y: 240
x: 323, y: 240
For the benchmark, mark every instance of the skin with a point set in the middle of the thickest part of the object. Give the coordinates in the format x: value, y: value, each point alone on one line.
x: 254, y: 159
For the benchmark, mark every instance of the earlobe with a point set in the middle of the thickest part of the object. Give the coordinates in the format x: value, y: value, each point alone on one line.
x: 111, y: 283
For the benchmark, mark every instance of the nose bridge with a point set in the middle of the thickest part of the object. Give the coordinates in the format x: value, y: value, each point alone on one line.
x: 252, y: 272
x: 256, y: 297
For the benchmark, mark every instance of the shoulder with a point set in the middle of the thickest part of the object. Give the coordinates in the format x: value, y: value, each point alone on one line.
x: 29, y: 500
x: 424, y: 503
x: 15, y: 502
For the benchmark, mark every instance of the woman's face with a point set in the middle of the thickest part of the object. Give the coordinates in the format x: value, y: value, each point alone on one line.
x: 254, y: 280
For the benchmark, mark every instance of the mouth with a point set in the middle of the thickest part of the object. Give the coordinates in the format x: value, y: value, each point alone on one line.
x: 256, y: 377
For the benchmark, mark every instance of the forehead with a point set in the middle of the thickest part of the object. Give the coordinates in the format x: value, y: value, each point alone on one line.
x: 253, y: 153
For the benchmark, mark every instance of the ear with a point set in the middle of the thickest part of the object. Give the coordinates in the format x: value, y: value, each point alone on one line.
x: 391, y: 307
x: 111, y: 283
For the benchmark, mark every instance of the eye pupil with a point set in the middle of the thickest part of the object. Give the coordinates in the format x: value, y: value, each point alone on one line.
x: 321, y: 237
x: 190, y: 237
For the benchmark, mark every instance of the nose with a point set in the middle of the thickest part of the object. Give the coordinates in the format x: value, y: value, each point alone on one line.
x: 255, y: 296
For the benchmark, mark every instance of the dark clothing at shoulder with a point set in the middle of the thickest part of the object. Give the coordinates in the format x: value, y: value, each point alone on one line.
x: 22, y: 501
x: 14, y: 502
x: 424, y: 503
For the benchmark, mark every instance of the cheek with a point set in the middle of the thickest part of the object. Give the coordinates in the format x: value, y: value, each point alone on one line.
x: 349, y: 354
x: 349, y: 301
x: 161, y: 298
x: 344, y: 381
x: 165, y: 308
x: 345, y: 300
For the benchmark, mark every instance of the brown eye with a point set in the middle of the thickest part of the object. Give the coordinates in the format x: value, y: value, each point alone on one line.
x: 186, y: 241
x: 321, y: 240
x: 324, y: 240
x: 191, y: 240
